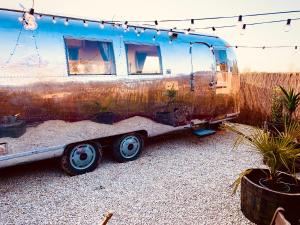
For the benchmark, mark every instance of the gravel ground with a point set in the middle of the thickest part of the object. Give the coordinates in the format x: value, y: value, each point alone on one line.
x: 179, y: 179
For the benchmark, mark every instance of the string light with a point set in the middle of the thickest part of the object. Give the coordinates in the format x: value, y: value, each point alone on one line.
x: 170, y: 32
x: 125, y: 26
x: 154, y: 38
x: 29, y: 20
x: 66, y: 22
x: 187, y: 31
x: 240, y: 19
x: 136, y: 30
x: 243, y: 29
x: 101, y: 24
x: 288, y: 25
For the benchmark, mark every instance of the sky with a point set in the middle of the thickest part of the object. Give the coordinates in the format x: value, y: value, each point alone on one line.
x: 267, y: 60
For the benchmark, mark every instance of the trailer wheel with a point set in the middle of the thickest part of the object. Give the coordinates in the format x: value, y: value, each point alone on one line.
x: 128, y: 147
x: 81, y: 158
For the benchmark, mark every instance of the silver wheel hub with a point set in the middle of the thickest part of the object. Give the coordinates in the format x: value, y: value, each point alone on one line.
x: 130, y: 146
x: 82, y: 156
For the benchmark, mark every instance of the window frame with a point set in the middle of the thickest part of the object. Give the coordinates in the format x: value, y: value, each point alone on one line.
x: 147, y: 44
x: 88, y: 39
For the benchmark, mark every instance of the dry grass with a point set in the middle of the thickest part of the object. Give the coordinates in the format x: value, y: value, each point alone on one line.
x: 255, y: 94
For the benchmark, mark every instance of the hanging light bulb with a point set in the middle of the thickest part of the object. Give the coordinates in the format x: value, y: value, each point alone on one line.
x: 170, y: 41
x: 211, y: 48
x: 170, y: 33
x: 142, y: 30
x: 138, y: 33
x: 288, y: 25
x: 54, y: 20
x: 29, y: 20
x: 243, y: 29
x: 187, y: 31
x: 158, y: 32
x: 125, y: 26
x: 136, y: 30
x: 154, y: 38
x: 39, y: 17
x: 101, y: 24
x: 240, y: 19
x: 66, y: 22
x: 85, y: 23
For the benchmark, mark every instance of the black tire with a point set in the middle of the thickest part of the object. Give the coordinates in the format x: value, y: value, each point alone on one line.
x: 133, y: 143
x: 69, y: 165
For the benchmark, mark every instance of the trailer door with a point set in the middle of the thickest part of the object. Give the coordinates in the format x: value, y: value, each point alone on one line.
x: 203, y: 80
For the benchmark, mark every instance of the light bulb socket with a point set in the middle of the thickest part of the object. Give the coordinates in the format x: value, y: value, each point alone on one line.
x: 31, y: 11
x: 155, y: 22
x: 244, y: 26
x: 213, y: 29
x: 240, y: 18
x: 192, y: 21
x: 288, y: 22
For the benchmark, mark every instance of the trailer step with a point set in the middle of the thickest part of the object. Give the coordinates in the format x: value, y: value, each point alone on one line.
x: 203, y: 132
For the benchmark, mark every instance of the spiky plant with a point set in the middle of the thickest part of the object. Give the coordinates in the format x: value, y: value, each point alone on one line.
x: 279, y: 151
x: 291, y: 100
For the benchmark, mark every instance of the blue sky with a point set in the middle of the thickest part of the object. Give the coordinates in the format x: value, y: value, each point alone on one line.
x: 248, y: 59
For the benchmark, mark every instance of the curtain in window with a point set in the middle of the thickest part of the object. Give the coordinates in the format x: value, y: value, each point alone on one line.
x: 73, y: 53
x: 105, y: 51
x: 140, y: 60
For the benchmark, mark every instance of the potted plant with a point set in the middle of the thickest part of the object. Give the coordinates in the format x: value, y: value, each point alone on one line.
x: 104, y: 115
x: 12, y: 126
x: 167, y: 116
x: 264, y: 190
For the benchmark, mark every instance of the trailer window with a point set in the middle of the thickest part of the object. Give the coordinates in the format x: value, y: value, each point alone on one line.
x: 90, y: 57
x: 221, y: 60
x: 143, y: 59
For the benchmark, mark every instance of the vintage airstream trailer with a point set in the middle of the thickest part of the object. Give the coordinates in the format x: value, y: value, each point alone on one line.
x: 72, y: 86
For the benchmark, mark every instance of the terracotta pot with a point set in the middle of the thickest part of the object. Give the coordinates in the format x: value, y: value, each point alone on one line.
x: 259, y: 203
